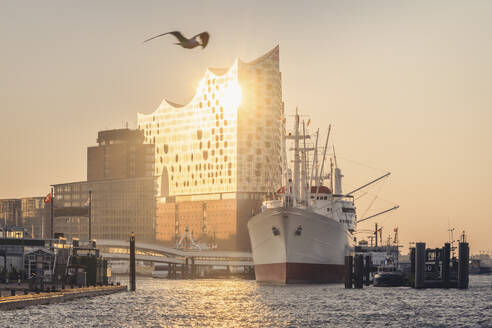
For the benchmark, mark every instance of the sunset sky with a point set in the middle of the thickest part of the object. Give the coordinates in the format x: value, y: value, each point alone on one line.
x: 407, y: 87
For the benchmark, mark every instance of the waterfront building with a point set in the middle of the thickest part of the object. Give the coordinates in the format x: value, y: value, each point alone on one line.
x: 120, y: 154
x: 35, y: 216
x: 10, y: 212
x: 30, y: 213
x: 119, y: 207
x: 120, y: 178
x: 219, y: 155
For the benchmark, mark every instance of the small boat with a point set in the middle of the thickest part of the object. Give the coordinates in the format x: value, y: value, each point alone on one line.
x: 389, y: 276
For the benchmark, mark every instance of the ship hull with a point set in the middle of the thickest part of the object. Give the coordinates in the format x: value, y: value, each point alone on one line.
x: 292, y: 245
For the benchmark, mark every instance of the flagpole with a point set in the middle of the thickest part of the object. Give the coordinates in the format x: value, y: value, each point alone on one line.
x: 90, y: 214
x: 51, y: 214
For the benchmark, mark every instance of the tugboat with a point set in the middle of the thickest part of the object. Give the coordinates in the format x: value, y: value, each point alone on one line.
x: 389, y: 275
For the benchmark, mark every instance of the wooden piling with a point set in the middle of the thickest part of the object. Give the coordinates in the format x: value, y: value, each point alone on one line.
x: 419, y: 265
x: 366, y: 270
x: 349, y: 260
x: 358, y: 271
x: 133, y: 283
x: 446, y: 257
x: 411, y: 278
x: 463, y: 270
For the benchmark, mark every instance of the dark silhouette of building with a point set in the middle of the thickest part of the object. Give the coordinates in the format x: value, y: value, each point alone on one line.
x: 120, y: 154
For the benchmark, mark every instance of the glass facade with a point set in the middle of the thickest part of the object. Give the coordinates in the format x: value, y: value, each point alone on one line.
x: 217, y: 156
x: 119, y: 207
x: 227, y: 138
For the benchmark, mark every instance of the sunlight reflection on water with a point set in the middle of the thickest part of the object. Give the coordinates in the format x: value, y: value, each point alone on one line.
x: 239, y: 303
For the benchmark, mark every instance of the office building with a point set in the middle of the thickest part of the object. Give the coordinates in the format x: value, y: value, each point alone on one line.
x: 120, y: 154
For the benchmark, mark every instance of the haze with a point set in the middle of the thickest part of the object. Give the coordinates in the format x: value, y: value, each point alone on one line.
x: 405, y: 85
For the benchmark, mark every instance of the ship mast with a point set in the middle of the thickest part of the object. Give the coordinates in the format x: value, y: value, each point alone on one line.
x: 318, y: 178
x: 315, y: 162
x: 296, y: 157
x: 304, y: 165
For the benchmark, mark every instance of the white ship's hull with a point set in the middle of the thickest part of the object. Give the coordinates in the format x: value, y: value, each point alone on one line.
x: 315, y: 254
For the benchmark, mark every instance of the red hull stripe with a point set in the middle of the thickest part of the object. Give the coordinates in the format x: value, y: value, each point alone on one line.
x: 303, y: 273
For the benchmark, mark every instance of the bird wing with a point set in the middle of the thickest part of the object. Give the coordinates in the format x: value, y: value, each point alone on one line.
x: 204, y: 37
x: 177, y: 34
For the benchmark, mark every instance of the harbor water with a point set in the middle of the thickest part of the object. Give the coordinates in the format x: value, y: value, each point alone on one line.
x: 243, y: 303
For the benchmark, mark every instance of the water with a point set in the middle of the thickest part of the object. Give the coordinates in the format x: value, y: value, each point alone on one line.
x: 240, y: 303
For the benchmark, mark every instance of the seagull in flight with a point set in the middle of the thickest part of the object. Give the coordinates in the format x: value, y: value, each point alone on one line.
x: 198, y: 40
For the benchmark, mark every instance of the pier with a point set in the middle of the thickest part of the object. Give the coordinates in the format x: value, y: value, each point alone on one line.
x: 22, y: 301
x: 429, y: 268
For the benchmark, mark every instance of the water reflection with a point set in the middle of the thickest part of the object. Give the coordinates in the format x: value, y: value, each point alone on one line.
x: 239, y: 303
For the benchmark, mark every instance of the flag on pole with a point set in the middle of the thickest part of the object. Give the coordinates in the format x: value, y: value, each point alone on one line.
x: 88, y: 201
x: 308, y: 122
x: 47, y: 199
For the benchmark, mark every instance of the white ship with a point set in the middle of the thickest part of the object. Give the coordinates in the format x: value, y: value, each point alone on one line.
x: 304, y: 235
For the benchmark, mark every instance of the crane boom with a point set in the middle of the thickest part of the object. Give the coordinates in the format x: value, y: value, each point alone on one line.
x: 369, y: 183
x: 377, y: 214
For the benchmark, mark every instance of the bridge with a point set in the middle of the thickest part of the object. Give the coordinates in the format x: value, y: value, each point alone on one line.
x: 119, y: 250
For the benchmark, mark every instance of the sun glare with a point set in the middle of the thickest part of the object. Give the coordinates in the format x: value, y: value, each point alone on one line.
x: 232, y: 96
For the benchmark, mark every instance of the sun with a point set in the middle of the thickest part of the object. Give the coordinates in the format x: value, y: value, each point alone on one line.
x: 232, y: 95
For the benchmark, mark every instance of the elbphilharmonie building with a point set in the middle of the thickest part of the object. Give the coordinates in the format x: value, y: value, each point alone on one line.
x: 219, y: 155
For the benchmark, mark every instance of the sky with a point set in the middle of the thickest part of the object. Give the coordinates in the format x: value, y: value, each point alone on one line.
x: 406, y: 86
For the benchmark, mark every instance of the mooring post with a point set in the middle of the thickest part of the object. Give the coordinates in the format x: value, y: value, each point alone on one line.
x: 359, y: 271
x: 366, y: 270
x: 419, y: 265
x: 133, y: 283
x: 349, y: 260
x: 193, y: 268
x: 445, y: 264
x: 464, y: 258
x: 187, y: 264
x: 411, y: 278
